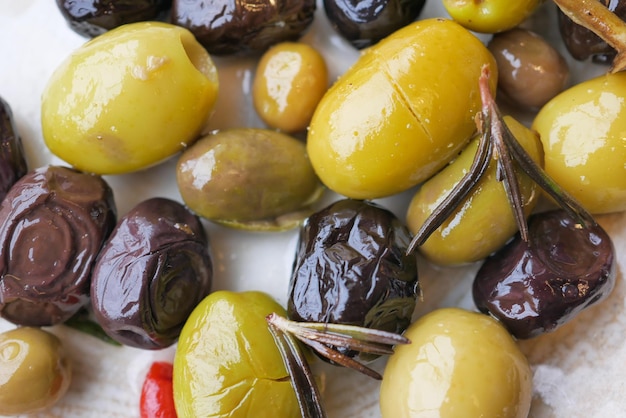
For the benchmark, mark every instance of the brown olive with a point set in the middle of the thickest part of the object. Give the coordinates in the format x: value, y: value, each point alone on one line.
x: 530, y: 70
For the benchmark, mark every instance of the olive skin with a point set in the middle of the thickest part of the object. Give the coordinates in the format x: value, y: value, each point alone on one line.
x: 226, y: 27
x: 129, y: 99
x: 582, y: 131
x: 91, y: 18
x: 151, y: 273
x: 458, y: 364
x: 490, y: 16
x: 12, y: 159
x: 227, y: 363
x: 536, y: 287
x: 35, y: 369
x: 363, y: 23
x: 351, y: 267
x: 484, y: 222
x: 249, y: 178
x: 390, y: 122
x: 54, y: 223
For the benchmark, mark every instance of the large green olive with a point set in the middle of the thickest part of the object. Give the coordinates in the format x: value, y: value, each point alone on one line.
x: 485, y: 221
x: 250, y: 178
x: 401, y: 112
x: 459, y: 364
x: 227, y: 363
x: 34, y: 370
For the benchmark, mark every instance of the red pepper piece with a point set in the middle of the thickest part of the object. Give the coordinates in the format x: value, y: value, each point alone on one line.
x: 157, y: 393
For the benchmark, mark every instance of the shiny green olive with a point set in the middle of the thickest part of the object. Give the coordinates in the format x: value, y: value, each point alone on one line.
x: 459, y: 364
x: 401, y: 112
x: 485, y: 221
x: 490, y: 16
x: 227, y: 363
x: 34, y: 370
x: 249, y: 178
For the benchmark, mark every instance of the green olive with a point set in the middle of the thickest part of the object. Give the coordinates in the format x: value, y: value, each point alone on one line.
x: 129, y: 98
x: 34, y: 370
x: 490, y: 16
x: 485, y: 221
x: 582, y: 131
x: 227, y: 363
x: 249, y: 178
x: 390, y: 122
x: 289, y: 82
x: 459, y: 364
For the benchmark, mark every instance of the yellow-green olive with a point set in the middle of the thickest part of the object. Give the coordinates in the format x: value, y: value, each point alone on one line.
x: 458, y: 364
x: 490, y: 16
x: 289, y: 82
x: 485, y: 221
x: 34, y: 370
x: 129, y: 98
x: 582, y: 131
x: 401, y: 112
x: 249, y: 178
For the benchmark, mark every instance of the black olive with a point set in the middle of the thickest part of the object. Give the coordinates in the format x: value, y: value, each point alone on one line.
x: 54, y: 222
x: 537, y: 286
x: 365, y: 22
x: 351, y: 268
x: 91, y: 18
x: 235, y: 26
x: 12, y: 160
x: 151, y: 273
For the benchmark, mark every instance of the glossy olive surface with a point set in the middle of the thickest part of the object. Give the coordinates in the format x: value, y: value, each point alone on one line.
x: 351, y: 267
x: 490, y: 16
x: 35, y: 371
x: 54, y: 222
x: 151, y: 273
x: 235, y: 26
x: 484, y: 222
x: 458, y: 364
x: 91, y: 18
x: 227, y: 363
x: 12, y: 158
x: 582, y: 132
x: 248, y: 177
x: 363, y: 23
x: 390, y: 122
x: 538, y: 286
x: 129, y: 98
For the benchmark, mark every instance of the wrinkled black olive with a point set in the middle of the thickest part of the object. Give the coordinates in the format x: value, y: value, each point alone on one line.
x: 151, y: 273
x: 12, y: 160
x: 365, y: 22
x: 54, y: 222
x: 91, y: 18
x: 538, y: 286
x: 582, y: 43
x: 351, y: 268
x: 235, y: 26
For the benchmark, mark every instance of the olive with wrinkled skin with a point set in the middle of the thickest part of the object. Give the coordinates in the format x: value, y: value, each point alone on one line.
x: 54, y: 222
x: 536, y: 287
x: 227, y: 363
x: 390, y: 122
x: 35, y: 370
x: 94, y: 17
x: 484, y: 222
x: 351, y: 267
x: 226, y: 27
x: 249, y: 178
x: 530, y: 70
x: 363, y: 23
x: 151, y: 273
x: 12, y: 159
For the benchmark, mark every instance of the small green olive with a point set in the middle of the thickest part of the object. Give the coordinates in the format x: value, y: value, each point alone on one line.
x: 34, y: 370
x: 485, y: 221
x: 249, y: 178
x: 458, y: 364
x: 490, y: 16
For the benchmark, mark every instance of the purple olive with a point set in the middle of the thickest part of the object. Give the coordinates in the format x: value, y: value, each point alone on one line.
x: 151, y: 273
x: 538, y: 286
x: 12, y: 159
x: 54, y: 222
